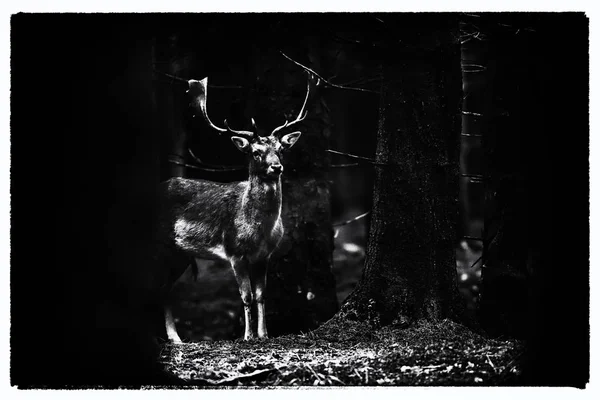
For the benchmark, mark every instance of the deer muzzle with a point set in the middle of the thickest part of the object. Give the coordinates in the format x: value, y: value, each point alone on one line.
x: 275, y: 169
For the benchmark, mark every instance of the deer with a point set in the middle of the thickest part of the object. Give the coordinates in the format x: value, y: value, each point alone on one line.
x: 239, y: 222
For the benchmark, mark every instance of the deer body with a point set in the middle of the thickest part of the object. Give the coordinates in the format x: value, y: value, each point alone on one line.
x: 224, y: 221
x: 239, y: 222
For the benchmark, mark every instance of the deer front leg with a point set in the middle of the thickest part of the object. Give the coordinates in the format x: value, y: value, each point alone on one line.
x: 242, y: 275
x: 260, y: 284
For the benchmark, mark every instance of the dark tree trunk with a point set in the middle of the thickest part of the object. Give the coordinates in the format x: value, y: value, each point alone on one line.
x: 476, y: 78
x: 410, y: 268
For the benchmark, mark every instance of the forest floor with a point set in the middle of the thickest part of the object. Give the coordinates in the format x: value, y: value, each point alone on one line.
x: 348, y: 353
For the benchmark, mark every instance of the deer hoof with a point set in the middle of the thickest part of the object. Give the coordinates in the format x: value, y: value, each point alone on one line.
x: 175, y: 340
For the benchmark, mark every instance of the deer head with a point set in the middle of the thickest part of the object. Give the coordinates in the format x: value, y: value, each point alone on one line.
x: 264, y: 152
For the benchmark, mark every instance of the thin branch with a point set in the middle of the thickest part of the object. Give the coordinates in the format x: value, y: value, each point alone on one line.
x: 325, y: 80
x: 473, y: 68
x: 215, y: 166
x: 473, y: 238
x: 172, y: 77
x: 511, y: 364
x: 370, y: 160
x: 476, y: 261
x: 362, y: 81
x: 314, y: 373
x: 353, y: 219
x: 233, y: 379
x: 222, y: 169
x: 348, y: 165
x: 473, y: 176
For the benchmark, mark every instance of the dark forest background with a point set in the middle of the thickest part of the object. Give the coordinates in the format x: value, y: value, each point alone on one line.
x: 87, y: 152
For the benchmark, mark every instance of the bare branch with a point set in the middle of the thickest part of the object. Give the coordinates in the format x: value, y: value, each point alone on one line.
x: 213, y: 166
x: 472, y: 113
x: 476, y: 261
x: 344, y: 165
x: 370, y: 160
x: 325, y: 80
x: 473, y: 238
x: 353, y: 219
x: 221, y: 169
x: 361, y: 81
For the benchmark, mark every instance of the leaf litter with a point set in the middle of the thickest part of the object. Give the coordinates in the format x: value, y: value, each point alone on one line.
x: 350, y: 353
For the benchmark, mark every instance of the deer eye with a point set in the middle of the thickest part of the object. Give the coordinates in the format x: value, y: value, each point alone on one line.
x: 256, y: 154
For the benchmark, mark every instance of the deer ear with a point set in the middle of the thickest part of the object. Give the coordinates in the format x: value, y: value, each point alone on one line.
x: 242, y: 144
x: 288, y: 140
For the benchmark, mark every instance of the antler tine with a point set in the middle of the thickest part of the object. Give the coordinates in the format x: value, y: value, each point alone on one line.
x: 303, y: 112
x: 247, y: 134
x: 279, y: 128
x: 254, y: 125
x: 197, y: 90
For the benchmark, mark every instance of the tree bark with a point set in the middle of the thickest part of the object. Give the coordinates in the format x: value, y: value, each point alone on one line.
x: 410, y: 267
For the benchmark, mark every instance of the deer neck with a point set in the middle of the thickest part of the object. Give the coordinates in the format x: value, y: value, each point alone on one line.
x: 262, y: 200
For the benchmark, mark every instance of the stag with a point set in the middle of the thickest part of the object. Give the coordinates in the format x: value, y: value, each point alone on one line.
x: 238, y: 222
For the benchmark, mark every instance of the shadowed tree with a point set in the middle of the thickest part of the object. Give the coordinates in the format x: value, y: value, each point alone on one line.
x: 409, y: 272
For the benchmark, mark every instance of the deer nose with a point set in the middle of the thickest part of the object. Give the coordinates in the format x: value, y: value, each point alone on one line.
x: 277, y: 168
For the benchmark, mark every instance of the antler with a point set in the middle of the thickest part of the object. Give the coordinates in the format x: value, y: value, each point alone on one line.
x: 303, y: 112
x: 197, y: 90
x: 247, y: 134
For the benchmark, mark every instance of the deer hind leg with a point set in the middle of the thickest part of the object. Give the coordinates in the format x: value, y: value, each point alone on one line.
x: 242, y: 275
x: 259, y: 275
x: 170, y: 325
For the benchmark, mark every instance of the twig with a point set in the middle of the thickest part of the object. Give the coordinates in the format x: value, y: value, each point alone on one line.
x: 361, y: 81
x: 344, y: 165
x: 215, y: 166
x: 233, y: 378
x: 325, y: 80
x: 370, y: 160
x: 476, y: 261
x: 173, y: 77
x: 510, y: 365
x: 222, y: 169
x: 314, y: 373
x: 473, y: 238
x: 473, y: 176
x: 490, y: 362
x: 353, y: 219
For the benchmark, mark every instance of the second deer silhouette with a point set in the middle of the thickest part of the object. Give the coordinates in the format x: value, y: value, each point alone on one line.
x: 238, y: 222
